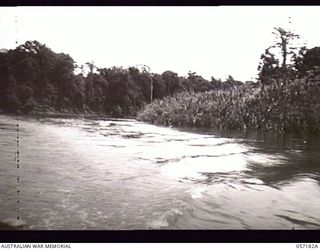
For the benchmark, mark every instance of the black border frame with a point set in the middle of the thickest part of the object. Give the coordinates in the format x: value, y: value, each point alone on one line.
x: 154, y: 2
x: 158, y: 236
x: 163, y: 236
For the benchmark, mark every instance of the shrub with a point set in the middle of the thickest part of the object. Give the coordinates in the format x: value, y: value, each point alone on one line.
x: 284, y: 107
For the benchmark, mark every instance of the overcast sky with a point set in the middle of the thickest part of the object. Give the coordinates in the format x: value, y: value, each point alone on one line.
x: 212, y: 41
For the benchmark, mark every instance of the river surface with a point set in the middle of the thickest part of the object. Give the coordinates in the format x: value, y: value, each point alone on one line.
x: 109, y: 174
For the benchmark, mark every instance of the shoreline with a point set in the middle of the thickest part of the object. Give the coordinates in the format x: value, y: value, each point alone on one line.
x: 185, y: 127
x: 70, y: 114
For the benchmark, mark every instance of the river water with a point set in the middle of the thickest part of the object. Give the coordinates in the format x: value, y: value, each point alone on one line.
x: 80, y: 173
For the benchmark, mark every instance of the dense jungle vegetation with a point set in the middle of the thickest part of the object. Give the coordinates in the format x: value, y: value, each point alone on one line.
x: 33, y: 78
x: 284, y: 98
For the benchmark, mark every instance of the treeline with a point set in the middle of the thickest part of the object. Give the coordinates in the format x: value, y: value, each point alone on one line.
x: 284, y: 99
x: 34, y: 78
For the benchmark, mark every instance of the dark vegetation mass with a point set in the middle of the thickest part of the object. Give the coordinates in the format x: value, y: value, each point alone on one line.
x: 284, y: 98
x: 33, y: 78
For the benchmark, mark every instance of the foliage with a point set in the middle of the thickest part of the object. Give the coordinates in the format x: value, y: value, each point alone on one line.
x: 270, y: 67
x: 285, y: 98
x: 307, y: 61
x: 34, y: 78
x: 291, y: 108
x: 284, y: 39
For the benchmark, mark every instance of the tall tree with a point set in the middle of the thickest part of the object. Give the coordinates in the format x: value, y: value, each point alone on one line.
x: 284, y: 42
x: 269, y: 67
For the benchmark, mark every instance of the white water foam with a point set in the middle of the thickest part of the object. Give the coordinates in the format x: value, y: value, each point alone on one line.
x: 193, y: 167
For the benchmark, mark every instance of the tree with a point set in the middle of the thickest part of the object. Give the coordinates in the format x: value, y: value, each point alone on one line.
x: 142, y: 84
x: 91, y: 66
x: 159, y: 90
x: 284, y: 40
x: 172, y: 82
x: 96, y: 92
x: 230, y: 82
x: 308, y: 60
x: 31, y: 47
x: 269, y: 67
x: 196, y: 83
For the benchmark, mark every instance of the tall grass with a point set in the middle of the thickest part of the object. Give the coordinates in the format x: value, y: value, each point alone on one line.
x: 291, y: 107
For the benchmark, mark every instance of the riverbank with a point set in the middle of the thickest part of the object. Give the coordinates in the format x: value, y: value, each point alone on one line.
x: 63, y: 114
x: 283, y: 108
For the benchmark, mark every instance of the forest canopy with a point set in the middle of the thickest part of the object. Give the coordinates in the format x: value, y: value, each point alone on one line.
x: 34, y: 78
